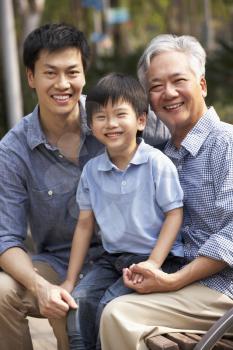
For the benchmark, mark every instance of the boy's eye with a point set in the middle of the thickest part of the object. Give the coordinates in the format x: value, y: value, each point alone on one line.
x: 121, y: 114
x: 99, y: 117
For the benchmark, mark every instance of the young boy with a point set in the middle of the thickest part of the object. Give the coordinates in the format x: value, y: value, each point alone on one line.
x: 133, y: 192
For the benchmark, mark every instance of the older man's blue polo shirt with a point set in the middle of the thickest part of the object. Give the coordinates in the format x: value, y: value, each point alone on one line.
x: 129, y: 205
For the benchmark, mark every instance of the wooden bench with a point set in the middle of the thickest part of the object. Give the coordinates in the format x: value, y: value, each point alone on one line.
x: 183, y: 341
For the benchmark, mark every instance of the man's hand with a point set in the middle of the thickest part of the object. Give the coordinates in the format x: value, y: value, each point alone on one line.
x: 153, y: 280
x: 54, y: 301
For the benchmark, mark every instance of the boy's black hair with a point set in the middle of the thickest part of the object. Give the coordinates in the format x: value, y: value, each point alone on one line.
x: 114, y: 87
x: 53, y: 37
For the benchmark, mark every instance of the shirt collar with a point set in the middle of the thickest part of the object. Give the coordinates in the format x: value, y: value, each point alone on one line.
x: 197, y: 135
x: 140, y: 157
x: 36, y: 136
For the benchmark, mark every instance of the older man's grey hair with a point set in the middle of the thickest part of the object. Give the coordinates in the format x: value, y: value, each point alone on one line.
x: 186, y: 44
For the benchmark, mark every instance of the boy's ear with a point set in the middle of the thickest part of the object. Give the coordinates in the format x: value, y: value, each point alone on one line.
x: 142, y: 119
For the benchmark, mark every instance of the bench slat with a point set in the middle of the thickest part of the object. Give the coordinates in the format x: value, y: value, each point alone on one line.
x: 159, y: 342
x: 184, y: 342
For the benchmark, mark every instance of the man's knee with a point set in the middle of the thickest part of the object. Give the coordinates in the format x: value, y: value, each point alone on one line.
x: 109, y: 311
x: 10, y: 290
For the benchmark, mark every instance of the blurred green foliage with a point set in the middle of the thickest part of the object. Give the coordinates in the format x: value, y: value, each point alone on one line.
x: 147, y: 19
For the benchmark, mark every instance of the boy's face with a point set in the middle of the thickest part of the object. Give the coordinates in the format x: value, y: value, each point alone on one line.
x: 58, y: 80
x: 116, y: 126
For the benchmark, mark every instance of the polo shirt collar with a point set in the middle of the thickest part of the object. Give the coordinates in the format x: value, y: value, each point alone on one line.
x: 197, y: 135
x: 35, y: 134
x: 141, y: 156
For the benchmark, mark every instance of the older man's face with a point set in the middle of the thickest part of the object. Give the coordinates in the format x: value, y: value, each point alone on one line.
x: 176, y: 95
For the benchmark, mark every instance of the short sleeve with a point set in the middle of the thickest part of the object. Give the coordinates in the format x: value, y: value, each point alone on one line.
x: 83, y: 192
x: 169, y: 194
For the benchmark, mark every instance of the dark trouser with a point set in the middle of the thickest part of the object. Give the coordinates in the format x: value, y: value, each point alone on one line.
x: 101, y: 285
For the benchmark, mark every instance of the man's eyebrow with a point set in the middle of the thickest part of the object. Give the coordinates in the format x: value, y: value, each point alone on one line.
x: 54, y: 66
x: 172, y: 76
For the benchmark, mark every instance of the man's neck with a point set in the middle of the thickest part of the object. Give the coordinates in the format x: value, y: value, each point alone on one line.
x: 55, y: 127
x: 64, y: 133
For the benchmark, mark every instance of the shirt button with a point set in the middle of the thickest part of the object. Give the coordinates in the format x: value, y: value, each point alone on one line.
x: 123, y: 183
x: 50, y: 192
x: 179, y: 167
x: 91, y: 262
x: 81, y: 276
x: 60, y: 156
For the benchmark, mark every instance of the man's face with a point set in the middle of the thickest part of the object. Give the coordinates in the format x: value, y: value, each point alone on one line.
x: 58, y: 80
x: 176, y: 95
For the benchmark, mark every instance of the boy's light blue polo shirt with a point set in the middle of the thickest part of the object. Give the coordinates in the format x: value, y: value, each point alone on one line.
x: 129, y: 205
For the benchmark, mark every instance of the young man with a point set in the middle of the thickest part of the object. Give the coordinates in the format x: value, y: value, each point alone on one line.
x: 132, y: 191
x: 172, y: 70
x: 41, y: 161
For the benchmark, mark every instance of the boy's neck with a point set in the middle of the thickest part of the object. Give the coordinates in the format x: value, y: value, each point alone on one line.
x: 123, y: 158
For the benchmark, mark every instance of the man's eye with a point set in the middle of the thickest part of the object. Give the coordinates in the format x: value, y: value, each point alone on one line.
x: 180, y: 80
x: 155, y: 88
x: 50, y: 73
x: 74, y: 72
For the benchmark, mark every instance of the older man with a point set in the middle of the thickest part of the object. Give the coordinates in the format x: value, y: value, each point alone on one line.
x: 172, y: 70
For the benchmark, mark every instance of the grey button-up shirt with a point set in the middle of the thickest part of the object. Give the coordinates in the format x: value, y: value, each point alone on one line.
x: 38, y: 187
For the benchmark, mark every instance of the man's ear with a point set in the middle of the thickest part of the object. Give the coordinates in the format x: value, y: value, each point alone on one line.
x: 141, y: 120
x: 30, y: 78
x: 203, y: 87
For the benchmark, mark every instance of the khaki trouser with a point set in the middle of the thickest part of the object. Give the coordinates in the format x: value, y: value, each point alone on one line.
x: 127, y: 321
x: 16, y: 303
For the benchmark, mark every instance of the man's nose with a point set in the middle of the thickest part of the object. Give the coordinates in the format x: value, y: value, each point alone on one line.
x: 62, y: 82
x: 170, y: 91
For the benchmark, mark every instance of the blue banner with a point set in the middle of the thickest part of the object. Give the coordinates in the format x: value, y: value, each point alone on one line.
x: 96, y: 4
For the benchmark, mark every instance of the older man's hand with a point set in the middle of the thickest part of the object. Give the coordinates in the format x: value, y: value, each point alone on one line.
x: 153, y: 281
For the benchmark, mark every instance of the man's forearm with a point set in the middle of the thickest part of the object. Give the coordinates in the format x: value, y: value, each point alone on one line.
x: 198, y: 269
x: 16, y: 262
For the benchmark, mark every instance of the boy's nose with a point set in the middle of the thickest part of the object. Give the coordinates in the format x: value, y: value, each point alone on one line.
x: 112, y: 122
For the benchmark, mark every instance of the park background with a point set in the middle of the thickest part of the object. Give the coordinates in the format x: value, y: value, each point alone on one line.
x: 118, y: 31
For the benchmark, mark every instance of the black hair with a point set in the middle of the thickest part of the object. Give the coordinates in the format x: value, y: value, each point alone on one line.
x: 114, y: 87
x: 54, y: 37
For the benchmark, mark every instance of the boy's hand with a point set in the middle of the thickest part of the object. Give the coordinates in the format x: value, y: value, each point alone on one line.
x: 67, y: 285
x: 147, y: 265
